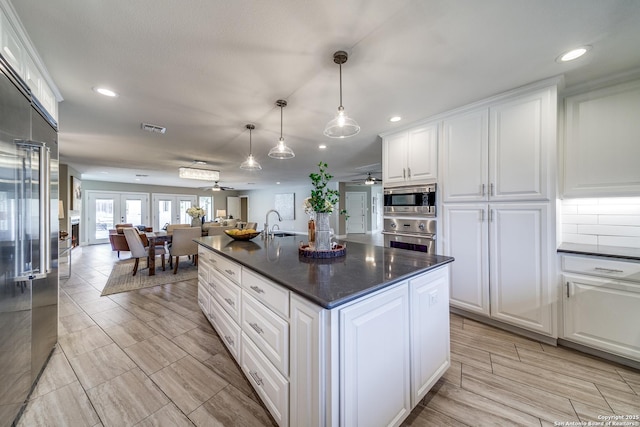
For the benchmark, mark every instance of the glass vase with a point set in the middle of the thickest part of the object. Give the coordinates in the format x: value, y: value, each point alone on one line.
x: 196, y: 222
x: 323, y: 231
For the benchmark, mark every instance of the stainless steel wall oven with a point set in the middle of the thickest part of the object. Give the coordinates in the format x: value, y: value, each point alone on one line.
x: 410, y: 218
x: 410, y: 200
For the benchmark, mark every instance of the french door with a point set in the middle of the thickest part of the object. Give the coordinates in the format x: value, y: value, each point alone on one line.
x: 171, y: 209
x: 106, y: 209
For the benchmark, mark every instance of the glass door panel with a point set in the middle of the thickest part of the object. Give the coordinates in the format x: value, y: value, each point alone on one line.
x: 171, y: 209
x: 133, y: 211
x: 104, y: 218
x: 106, y: 209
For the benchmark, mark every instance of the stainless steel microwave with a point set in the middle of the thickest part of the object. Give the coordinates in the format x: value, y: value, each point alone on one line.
x: 410, y: 200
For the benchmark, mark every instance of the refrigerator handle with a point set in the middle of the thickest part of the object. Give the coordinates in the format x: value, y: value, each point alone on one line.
x: 45, y: 209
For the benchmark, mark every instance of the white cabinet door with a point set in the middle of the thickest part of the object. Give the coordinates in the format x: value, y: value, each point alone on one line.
x: 465, y: 237
x: 521, y: 284
x: 307, y: 373
x: 422, y: 154
x: 464, y: 150
x: 430, y: 356
x: 502, y: 266
x: 602, y: 313
x: 394, y: 158
x: 521, y: 140
x: 375, y: 360
x: 601, y: 149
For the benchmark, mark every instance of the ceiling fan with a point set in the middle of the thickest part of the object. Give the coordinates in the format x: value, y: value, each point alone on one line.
x: 369, y: 180
x: 217, y: 187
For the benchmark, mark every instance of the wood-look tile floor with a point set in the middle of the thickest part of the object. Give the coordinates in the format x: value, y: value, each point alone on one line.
x: 150, y: 358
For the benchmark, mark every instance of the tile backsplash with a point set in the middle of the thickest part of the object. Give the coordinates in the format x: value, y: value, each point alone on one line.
x: 601, y: 221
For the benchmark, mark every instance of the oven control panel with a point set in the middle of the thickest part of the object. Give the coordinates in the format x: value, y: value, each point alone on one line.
x: 407, y: 225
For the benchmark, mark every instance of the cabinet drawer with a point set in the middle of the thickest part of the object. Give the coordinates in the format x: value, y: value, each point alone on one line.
x: 602, y: 267
x: 267, y: 330
x: 228, y: 330
x: 226, y: 293
x: 204, y: 255
x: 203, y: 299
x: 228, y: 268
x: 203, y: 273
x: 270, y: 385
x: 267, y: 292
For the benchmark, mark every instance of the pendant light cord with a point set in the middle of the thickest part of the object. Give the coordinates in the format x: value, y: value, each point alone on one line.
x: 281, y: 109
x: 340, y: 85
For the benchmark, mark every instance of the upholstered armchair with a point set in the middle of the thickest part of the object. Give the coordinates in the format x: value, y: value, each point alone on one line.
x: 118, y: 240
x: 182, y: 244
x: 172, y: 227
x: 138, y: 250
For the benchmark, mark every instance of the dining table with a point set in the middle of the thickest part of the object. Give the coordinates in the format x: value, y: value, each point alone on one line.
x: 157, y: 238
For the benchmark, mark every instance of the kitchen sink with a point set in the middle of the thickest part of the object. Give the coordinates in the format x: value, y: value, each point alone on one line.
x: 283, y: 234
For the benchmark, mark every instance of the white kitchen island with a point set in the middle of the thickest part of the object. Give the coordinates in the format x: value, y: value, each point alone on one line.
x: 351, y: 341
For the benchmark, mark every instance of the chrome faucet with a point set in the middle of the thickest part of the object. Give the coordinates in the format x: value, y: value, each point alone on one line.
x: 273, y: 227
x: 266, y: 222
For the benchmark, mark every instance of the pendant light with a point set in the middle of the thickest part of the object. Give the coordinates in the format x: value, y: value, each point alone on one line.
x: 281, y: 151
x: 250, y: 164
x: 342, y: 126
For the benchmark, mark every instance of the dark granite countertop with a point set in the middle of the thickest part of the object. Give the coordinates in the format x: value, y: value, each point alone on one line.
x: 599, y: 250
x: 326, y: 282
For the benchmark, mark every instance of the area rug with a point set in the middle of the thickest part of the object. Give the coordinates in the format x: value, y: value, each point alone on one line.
x: 121, y: 280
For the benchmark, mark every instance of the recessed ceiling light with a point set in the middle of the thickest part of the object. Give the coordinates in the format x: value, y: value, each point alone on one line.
x: 322, y: 146
x: 573, y: 54
x: 278, y: 182
x: 395, y: 119
x: 106, y: 92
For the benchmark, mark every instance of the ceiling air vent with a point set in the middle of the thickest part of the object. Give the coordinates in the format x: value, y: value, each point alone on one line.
x: 153, y: 128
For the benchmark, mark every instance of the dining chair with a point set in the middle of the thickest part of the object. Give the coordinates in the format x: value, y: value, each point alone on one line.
x: 182, y: 244
x: 138, y: 250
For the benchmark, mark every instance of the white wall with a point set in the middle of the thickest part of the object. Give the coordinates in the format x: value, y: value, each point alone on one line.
x: 261, y: 201
x: 613, y: 221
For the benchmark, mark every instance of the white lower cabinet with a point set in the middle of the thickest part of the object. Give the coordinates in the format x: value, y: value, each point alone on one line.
x: 227, y: 328
x: 375, y: 360
x: 369, y: 362
x: 601, y: 309
x: 268, y: 331
x: 430, y: 353
x: 271, y: 385
x: 364, y: 363
x: 503, y: 262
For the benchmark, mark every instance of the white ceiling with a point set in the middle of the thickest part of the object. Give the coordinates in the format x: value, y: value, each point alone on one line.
x: 204, y: 69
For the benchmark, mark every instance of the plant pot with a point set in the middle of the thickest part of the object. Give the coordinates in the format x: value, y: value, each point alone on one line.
x: 323, y: 231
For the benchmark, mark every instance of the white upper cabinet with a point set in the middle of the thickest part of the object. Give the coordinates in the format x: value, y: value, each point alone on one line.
x: 601, y: 148
x: 522, y: 142
x: 465, y: 152
x: 501, y: 152
x: 411, y: 157
x: 14, y: 48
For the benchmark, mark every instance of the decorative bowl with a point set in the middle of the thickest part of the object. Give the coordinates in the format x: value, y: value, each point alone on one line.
x: 237, y: 234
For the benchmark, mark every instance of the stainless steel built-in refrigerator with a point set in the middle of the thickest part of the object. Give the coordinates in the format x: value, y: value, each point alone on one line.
x: 28, y: 242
